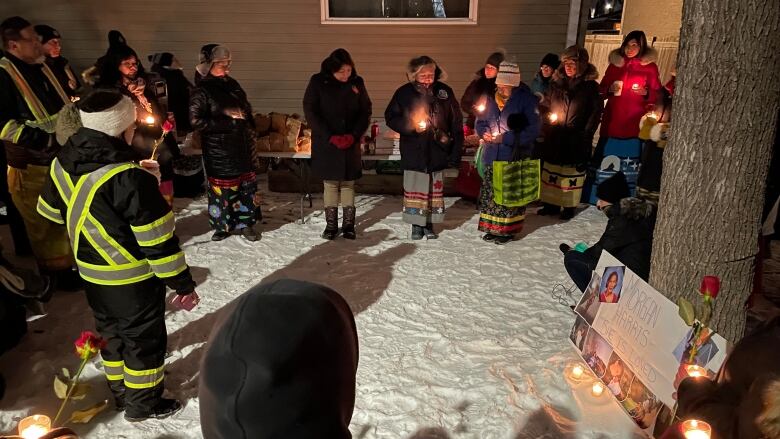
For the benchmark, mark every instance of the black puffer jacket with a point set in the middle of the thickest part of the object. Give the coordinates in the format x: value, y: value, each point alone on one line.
x: 227, y: 142
x: 282, y: 364
x: 129, y: 198
x: 577, y: 106
x: 335, y: 108
x: 423, y: 152
x: 629, y: 235
x: 480, y: 89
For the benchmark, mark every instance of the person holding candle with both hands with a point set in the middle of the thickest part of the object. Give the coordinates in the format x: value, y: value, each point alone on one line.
x: 483, y: 86
x: 574, y: 107
x: 509, y: 125
x: 427, y: 116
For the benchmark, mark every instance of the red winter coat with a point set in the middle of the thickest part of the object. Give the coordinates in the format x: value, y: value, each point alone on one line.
x: 622, y: 113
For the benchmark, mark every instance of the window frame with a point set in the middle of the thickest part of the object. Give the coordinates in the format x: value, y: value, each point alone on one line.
x: 471, y: 20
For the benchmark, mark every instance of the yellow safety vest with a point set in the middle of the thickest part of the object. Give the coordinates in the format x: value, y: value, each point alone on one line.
x: 120, y: 267
x: 43, y: 120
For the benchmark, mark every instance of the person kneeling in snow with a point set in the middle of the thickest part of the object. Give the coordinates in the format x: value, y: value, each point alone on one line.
x: 628, y: 237
x: 122, y: 233
x: 282, y: 364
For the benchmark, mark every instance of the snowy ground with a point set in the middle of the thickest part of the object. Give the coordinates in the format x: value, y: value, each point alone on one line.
x: 458, y: 338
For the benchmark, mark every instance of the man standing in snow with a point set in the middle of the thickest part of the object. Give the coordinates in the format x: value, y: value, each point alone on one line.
x: 122, y: 233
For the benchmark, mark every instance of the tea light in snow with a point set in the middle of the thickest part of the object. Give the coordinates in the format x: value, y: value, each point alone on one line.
x: 635, y: 87
x: 693, y: 429
x: 33, y: 427
x: 577, y: 372
x: 695, y: 371
x: 597, y: 389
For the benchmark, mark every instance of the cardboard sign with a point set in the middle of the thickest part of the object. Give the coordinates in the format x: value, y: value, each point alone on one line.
x: 633, y: 339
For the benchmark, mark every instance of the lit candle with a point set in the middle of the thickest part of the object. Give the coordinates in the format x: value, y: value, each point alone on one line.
x: 695, y: 371
x: 481, y: 107
x: 597, y: 389
x: 495, y: 134
x: 422, y: 124
x: 553, y: 117
x: 33, y: 427
x: 635, y: 87
x: 693, y: 429
x: 149, y: 120
x: 577, y: 371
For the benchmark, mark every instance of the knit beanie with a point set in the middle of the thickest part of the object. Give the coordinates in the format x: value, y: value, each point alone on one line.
x: 47, y: 33
x: 495, y: 59
x: 613, y: 189
x: 551, y: 60
x: 107, y: 111
x: 508, y: 74
x: 209, y: 54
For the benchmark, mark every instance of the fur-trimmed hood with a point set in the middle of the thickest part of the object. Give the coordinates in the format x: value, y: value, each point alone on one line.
x: 591, y: 74
x: 633, y: 208
x: 68, y: 122
x: 618, y: 60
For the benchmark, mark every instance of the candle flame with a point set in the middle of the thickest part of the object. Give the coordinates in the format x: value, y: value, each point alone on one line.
x: 695, y: 371
x: 149, y: 120
x: 553, y: 117
x: 423, y: 124
x: 34, y: 432
x: 576, y: 371
x: 481, y: 107
x: 597, y: 389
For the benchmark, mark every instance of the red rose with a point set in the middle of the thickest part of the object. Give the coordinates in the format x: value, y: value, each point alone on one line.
x: 168, y: 126
x: 710, y: 285
x: 89, y: 344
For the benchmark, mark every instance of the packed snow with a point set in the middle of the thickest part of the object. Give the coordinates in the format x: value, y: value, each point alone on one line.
x: 459, y: 338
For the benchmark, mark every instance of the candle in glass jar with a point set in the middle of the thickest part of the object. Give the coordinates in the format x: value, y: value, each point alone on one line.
x: 597, y: 389
x: 693, y: 429
x: 695, y: 371
x: 422, y: 124
x: 149, y: 120
x: 33, y: 427
x: 577, y: 372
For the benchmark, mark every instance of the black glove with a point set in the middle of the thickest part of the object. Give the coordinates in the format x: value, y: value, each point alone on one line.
x: 564, y: 248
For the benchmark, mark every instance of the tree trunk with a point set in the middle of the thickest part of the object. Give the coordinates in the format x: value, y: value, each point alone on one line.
x: 715, y: 165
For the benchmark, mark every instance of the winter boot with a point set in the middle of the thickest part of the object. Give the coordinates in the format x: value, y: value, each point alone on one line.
x: 488, y: 237
x: 64, y: 280
x: 332, y: 219
x: 348, y: 222
x: 418, y: 232
x: 250, y: 234
x: 567, y: 213
x: 429, y: 233
x: 501, y: 240
x: 548, y: 209
x: 219, y: 235
x: 118, y: 390
x: 164, y: 408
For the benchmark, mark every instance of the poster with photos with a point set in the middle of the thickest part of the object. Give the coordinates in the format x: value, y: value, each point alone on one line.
x: 633, y: 340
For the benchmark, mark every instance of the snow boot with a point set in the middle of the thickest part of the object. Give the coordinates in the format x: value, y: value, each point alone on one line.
x: 567, y: 213
x: 548, y: 209
x: 219, y: 235
x: 250, y: 234
x: 164, y: 408
x: 332, y: 219
x: 488, y: 237
x: 348, y: 222
x: 429, y: 233
x: 418, y: 232
x: 564, y: 248
x: 501, y: 240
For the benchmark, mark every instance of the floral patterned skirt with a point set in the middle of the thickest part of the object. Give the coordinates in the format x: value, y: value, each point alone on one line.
x: 233, y: 203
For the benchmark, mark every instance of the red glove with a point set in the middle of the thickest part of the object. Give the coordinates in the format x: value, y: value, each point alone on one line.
x: 348, y: 140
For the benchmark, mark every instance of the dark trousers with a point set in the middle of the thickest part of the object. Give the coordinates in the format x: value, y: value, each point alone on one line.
x: 15, y: 222
x: 580, y: 268
x: 131, y: 318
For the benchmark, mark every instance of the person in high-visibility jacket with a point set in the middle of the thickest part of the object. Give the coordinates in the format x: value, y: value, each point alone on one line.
x: 30, y: 97
x: 122, y: 233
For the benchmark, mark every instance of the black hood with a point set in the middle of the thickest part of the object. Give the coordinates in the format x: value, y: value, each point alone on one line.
x: 88, y: 150
x: 281, y: 365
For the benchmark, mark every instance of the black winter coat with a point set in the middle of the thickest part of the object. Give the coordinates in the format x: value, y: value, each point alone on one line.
x: 335, y: 108
x: 227, y: 143
x: 129, y: 198
x: 68, y: 80
x: 179, y: 89
x: 478, y: 91
x: 424, y: 152
x: 578, y: 106
x: 629, y: 235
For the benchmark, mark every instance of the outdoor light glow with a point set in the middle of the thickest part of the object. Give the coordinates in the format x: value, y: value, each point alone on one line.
x: 694, y: 429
